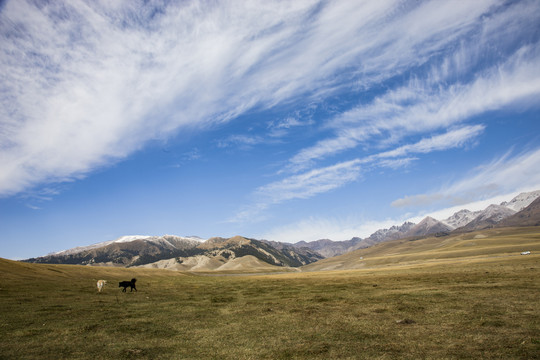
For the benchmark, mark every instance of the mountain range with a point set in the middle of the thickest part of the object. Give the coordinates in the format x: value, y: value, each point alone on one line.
x: 193, y: 253
x: 144, y: 250
x: 461, y: 221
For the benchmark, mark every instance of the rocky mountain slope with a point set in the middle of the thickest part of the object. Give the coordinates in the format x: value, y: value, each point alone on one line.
x: 461, y: 221
x: 134, y: 251
x: 428, y: 226
x: 529, y: 216
x: 488, y: 218
x: 194, y: 253
x: 521, y: 201
x: 329, y: 248
x: 470, y: 246
x: 461, y: 218
x: 125, y: 251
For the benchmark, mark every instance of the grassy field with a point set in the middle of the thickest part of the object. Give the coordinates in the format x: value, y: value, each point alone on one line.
x: 459, y: 309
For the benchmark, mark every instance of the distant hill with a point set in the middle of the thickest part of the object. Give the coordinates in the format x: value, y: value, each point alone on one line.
x: 134, y: 251
x: 461, y: 221
x: 204, y: 263
x: 329, y: 248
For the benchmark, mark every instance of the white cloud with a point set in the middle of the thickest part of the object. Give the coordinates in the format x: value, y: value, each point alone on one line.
x: 245, y: 141
x: 500, y: 180
x: 316, y: 228
x: 311, y: 183
x: 419, y: 107
x: 504, y: 175
x: 320, y: 180
x: 396, y: 163
x: 85, y: 84
x: 451, y: 139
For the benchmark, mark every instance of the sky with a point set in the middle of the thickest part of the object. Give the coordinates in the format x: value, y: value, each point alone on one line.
x: 279, y: 120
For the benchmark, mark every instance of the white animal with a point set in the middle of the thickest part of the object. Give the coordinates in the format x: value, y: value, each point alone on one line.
x: 101, y: 284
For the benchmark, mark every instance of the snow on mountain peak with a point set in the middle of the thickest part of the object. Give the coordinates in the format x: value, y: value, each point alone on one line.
x: 521, y: 201
x: 130, y: 238
x: 461, y: 218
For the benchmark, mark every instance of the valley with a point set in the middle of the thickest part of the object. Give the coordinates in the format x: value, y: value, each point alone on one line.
x: 470, y: 296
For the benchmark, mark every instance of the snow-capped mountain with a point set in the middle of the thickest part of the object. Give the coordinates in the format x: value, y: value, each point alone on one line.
x: 130, y: 238
x: 329, y: 248
x: 143, y: 250
x: 393, y: 233
x: 492, y: 215
x: 427, y: 226
x: 461, y: 218
x: 521, y: 201
x: 530, y: 216
x: 136, y: 250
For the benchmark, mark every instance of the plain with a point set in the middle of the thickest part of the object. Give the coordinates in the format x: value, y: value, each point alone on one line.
x: 431, y: 307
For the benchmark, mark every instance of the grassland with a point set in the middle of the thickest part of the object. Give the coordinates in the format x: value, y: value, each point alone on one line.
x: 455, y: 308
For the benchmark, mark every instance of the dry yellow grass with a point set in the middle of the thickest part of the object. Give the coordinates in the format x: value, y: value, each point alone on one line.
x: 469, y: 307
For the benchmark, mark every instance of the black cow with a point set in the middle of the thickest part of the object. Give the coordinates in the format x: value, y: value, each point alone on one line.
x: 125, y: 284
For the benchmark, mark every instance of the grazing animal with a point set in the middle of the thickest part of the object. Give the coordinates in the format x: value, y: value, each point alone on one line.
x: 101, y: 284
x: 125, y: 284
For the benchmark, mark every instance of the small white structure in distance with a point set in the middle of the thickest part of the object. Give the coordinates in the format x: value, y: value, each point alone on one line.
x: 526, y: 253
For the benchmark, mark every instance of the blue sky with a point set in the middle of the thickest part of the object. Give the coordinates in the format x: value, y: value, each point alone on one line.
x: 280, y: 120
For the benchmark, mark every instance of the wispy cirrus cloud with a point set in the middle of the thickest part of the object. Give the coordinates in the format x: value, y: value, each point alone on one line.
x: 310, y: 229
x: 243, y: 141
x: 311, y: 183
x: 420, y: 107
x: 505, y: 174
x: 85, y: 84
x: 320, y: 180
x: 451, y: 139
x: 464, y: 78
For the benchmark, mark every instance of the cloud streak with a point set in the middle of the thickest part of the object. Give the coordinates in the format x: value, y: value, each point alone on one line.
x: 502, y: 175
x: 85, y: 84
x: 320, y: 180
x: 311, y: 183
x: 419, y: 107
